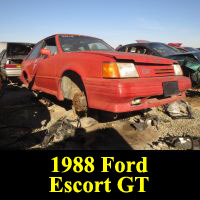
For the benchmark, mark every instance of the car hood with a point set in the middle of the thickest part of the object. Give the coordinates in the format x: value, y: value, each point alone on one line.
x: 187, y: 63
x: 138, y: 58
x: 197, y: 54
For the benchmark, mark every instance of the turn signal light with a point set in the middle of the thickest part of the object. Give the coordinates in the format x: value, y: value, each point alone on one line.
x: 110, y: 70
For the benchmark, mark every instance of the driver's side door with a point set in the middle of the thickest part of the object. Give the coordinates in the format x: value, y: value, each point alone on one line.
x: 46, y: 68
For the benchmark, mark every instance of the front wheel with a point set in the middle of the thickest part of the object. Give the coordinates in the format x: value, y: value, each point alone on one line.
x: 74, y: 90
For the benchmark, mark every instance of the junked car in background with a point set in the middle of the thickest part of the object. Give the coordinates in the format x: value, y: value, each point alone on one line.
x: 191, y: 49
x: 92, y: 74
x: 189, y: 61
x: 11, y: 57
x: 177, y: 47
x: 183, y: 49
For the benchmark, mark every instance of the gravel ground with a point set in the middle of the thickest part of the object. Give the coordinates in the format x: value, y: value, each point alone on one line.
x: 24, y: 121
x: 173, y: 128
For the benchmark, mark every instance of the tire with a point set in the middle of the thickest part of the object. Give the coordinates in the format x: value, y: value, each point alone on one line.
x: 73, y: 90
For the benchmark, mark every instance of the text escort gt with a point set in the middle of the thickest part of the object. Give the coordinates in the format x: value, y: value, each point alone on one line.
x: 92, y: 74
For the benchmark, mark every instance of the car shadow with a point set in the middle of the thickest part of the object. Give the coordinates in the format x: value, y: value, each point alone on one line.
x: 23, y: 120
x: 104, y: 139
x: 101, y: 139
x: 66, y: 104
x: 20, y: 114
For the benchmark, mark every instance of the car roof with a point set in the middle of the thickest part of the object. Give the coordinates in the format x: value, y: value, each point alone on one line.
x: 25, y: 43
x: 65, y: 34
x: 143, y: 43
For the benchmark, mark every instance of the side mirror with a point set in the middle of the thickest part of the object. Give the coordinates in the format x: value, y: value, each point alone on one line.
x: 45, y: 52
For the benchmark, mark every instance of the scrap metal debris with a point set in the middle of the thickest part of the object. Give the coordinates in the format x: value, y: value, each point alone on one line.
x: 46, y: 102
x: 145, y: 122
x: 179, y: 110
x: 60, y: 130
x: 185, y: 142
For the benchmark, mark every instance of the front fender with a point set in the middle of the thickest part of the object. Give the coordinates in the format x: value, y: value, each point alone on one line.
x: 63, y: 70
x: 80, y: 72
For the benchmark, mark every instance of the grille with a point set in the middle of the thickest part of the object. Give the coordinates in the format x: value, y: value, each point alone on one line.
x: 164, y: 71
x: 155, y: 70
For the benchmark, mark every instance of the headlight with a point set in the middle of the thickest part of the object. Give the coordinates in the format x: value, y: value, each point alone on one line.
x: 127, y: 70
x: 177, y: 70
x: 119, y: 70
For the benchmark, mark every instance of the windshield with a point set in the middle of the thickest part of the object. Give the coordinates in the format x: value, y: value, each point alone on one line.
x: 72, y: 43
x: 163, y: 49
x: 178, y: 50
x: 182, y: 50
x: 15, y: 49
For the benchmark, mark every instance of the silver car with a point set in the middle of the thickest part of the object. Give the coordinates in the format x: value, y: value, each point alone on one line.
x: 11, y: 57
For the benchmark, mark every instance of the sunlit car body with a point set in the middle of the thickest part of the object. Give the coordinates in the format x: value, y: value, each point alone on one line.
x: 111, y: 81
x: 189, y: 61
x: 11, y: 57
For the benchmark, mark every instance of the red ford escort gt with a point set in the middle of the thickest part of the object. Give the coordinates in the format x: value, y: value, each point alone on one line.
x: 92, y: 74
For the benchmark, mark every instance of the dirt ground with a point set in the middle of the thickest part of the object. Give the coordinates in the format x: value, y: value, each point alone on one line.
x: 25, y: 121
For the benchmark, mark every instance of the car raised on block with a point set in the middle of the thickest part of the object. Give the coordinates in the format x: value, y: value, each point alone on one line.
x: 93, y: 75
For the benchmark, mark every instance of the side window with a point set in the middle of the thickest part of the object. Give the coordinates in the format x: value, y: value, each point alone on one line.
x: 3, y: 59
x: 50, y: 44
x: 141, y: 50
x: 149, y: 52
x: 97, y: 46
x: 2, y: 54
x: 122, y: 49
x: 132, y: 49
x: 35, y: 52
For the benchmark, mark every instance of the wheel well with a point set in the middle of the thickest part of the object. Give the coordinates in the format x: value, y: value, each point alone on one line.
x: 76, y: 78
x: 71, y: 82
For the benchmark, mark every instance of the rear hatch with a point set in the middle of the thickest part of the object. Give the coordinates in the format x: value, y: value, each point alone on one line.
x: 16, y: 52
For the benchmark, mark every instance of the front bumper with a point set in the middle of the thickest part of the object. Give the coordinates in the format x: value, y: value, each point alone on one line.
x: 116, y: 95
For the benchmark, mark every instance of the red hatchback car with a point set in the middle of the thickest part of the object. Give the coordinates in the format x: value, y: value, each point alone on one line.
x: 92, y: 74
